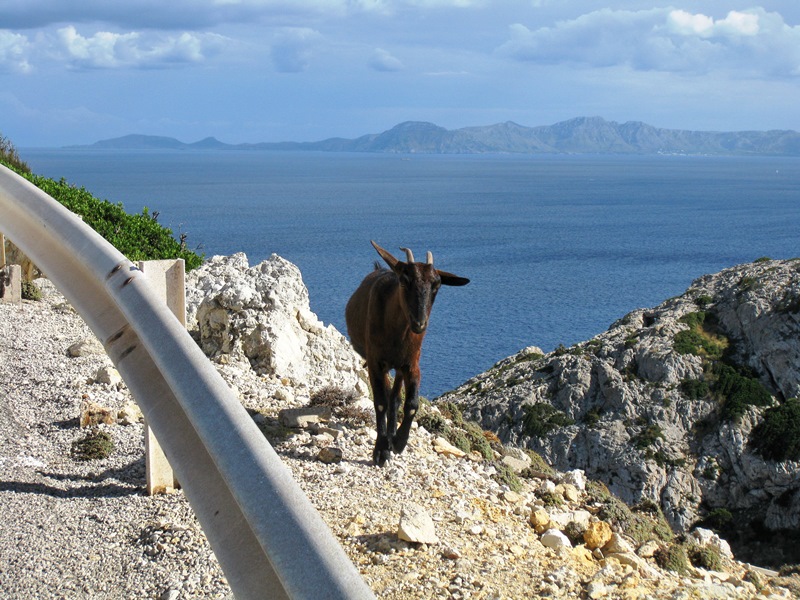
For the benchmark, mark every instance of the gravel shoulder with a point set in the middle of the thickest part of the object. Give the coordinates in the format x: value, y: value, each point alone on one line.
x: 86, y: 529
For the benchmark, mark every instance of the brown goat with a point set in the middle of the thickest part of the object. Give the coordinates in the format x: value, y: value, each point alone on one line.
x: 387, y: 318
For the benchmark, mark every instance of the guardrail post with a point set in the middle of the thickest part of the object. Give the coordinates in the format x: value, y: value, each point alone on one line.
x: 11, y: 284
x: 167, y: 279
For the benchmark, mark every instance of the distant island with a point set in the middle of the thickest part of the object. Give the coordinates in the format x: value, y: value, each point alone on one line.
x: 583, y: 135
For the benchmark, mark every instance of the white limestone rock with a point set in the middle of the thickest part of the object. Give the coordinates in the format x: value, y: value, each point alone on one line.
x: 262, y: 314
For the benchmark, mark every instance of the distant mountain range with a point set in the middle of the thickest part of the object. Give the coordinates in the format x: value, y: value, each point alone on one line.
x: 583, y: 135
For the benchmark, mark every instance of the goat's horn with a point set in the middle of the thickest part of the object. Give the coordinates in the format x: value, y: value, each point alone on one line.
x: 430, y: 258
x: 409, y: 255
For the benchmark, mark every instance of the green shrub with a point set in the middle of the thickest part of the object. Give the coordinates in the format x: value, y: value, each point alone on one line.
x: 592, y: 417
x: 477, y: 440
x: 748, y: 283
x: 10, y: 157
x: 538, y: 468
x: 673, y: 558
x: 458, y: 438
x: 705, y: 557
x: 777, y: 437
x: 332, y: 396
x: 95, y: 445
x: 434, y: 422
x: 30, y: 291
x: 505, y: 475
x: 542, y: 418
x: 452, y: 412
x: 738, y: 390
x: 551, y: 499
x: 695, y: 389
x: 703, y: 300
x: 137, y: 236
x: 647, y: 437
x: 700, y: 339
x: 718, y: 519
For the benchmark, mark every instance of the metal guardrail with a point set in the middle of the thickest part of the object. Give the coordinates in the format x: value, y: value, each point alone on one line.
x: 268, y: 538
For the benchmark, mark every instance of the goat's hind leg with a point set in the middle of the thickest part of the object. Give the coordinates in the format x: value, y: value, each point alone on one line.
x: 380, y: 389
x: 400, y: 439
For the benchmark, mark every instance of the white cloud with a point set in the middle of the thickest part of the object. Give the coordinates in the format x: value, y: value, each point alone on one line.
x: 752, y: 43
x: 736, y: 23
x: 383, y: 61
x: 293, y: 49
x: 13, y: 52
x: 107, y: 50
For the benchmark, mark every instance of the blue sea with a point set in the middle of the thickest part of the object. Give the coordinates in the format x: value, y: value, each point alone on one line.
x: 557, y: 247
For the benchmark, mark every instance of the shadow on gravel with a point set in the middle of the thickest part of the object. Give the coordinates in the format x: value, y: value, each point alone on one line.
x: 127, y: 481
x: 108, y: 490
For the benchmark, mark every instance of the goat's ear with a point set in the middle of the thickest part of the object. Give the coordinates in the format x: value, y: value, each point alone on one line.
x: 450, y: 279
x: 390, y: 260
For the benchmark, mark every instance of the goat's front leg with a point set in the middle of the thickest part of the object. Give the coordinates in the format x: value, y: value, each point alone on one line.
x: 400, y: 439
x: 380, y: 396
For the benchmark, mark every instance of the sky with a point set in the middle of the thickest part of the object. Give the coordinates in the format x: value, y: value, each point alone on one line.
x: 307, y: 70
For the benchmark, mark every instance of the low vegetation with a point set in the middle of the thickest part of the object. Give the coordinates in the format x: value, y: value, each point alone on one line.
x: 734, y: 387
x: 95, y: 445
x: 542, y: 418
x: 701, y: 338
x: 10, y: 157
x: 137, y: 236
x: 642, y: 523
x: 342, y: 404
x: 777, y: 437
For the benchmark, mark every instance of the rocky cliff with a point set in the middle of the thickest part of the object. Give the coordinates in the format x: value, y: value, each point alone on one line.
x: 261, y: 318
x: 688, y: 403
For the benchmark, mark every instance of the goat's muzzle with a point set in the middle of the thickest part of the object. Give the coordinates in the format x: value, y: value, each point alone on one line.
x: 418, y: 327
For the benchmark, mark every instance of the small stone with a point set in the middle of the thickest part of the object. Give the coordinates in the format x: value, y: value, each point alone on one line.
x: 577, y: 478
x: 617, y: 545
x: 570, y: 492
x: 93, y: 414
x: 416, y: 525
x: 451, y: 553
x: 540, y: 520
x: 706, y: 537
x: 86, y: 347
x: 330, y: 455
x: 553, y: 538
x: 108, y: 375
x: 129, y: 414
x: 546, y: 487
x: 648, y: 549
x: 597, y: 535
x: 303, y: 417
x: 512, y: 497
x: 442, y: 446
x: 517, y: 465
x: 626, y: 558
x: 596, y: 589
x: 170, y: 595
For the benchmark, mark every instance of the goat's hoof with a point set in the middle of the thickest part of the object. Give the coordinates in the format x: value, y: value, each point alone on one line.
x: 398, y: 445
x: 381, y: 457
